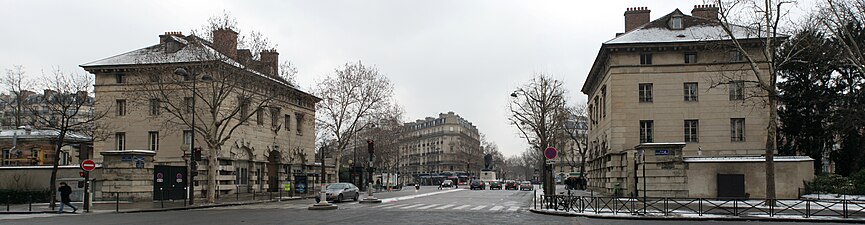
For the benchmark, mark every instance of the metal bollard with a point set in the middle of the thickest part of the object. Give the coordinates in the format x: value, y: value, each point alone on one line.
x: 270, y: 195
x: 117, y: 202
x: 162, y: 199
x: 8, y: 200
x: 30, y: 202
x: 253, y: 193
x: 237, y: 193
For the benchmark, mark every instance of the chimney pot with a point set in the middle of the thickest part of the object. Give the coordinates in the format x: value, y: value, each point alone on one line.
x: 270, y: 62
x: 705, y: 11
x: 636, y: 17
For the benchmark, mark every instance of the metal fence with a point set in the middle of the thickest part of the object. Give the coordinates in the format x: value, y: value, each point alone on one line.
x: 805, y: 208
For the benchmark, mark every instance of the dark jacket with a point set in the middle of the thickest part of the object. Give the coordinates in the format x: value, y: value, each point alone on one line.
x: 65, y: 191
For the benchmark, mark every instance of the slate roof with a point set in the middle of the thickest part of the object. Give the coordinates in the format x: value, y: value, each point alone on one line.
x: 42, y: 134
x: 694, y: 29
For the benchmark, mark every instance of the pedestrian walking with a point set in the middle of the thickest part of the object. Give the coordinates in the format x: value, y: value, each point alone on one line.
x: 65, y: 191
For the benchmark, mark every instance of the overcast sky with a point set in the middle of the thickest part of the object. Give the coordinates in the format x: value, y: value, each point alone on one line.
x: 461, y: 56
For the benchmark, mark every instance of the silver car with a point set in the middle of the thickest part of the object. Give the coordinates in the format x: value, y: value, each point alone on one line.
x: 340, y: 191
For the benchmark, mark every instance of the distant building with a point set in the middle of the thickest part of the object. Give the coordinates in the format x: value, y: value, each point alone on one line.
x: 447, y: 147
x: 34, y: 104
x: 658, y: 101
x: 34, y: 147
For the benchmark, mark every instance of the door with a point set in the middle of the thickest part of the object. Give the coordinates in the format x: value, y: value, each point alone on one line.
x: 273, y: 171
x: 169, y: 182
x: 731, y: 186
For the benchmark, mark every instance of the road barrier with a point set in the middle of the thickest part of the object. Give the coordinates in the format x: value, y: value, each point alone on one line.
x: 806, y: 208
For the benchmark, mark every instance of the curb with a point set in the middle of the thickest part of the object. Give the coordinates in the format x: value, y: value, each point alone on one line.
x: 601, y: 216
x: 205, y: 206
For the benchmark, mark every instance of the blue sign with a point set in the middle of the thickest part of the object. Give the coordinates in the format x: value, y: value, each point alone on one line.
x: 550, y: 153
x: 125, y: 158
x: 300, y: 184
x: 662, y: 152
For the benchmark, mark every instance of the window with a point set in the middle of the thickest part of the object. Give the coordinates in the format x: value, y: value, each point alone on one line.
x: 153, y: 140
x: 187, y: 101
x: 737, y: 90
x: 154, y: 107
x: 120, y: 78
x: 646, y: 127
x: 676, y: 23
x: 737, y: 129
x: 120, y: 140
x: 692, y: 129
x: 645, y: 59
x: 187, y: 137
x: 736, y: 56
x: 690, y: 57
x: 299, y: 118
x: 274, y: 116
x: 244, y: 109
x: 287, y: 122
x: 690, y: 91
x: 646, y: 92
x: 603, y: 99
x: 259, y: 116
x: 121, y: 107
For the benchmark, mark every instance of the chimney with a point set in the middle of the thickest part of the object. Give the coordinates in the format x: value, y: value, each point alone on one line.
x: 169, y: 43
x: 244, y: 56
x: 225, y: 41
x: 48, y: 93
x: 705, y: 11
x: 636, y: 17
x: 270, y: 62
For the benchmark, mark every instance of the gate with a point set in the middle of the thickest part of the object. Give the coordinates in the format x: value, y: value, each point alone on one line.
x: 731, y: 186
x: 169, y: 182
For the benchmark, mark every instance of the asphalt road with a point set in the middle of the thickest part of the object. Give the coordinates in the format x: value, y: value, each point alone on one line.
x: 427, y: 206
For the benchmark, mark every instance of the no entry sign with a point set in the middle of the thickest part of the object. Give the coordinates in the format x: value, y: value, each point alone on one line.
x: 88, y: 165
x: 550, y: 153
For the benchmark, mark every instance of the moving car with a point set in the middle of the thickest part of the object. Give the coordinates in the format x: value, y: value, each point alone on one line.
x: 340, y: 191
x: 511, y: 185
x: 477, y: 184
x: 447, y: 183
x: 495, y: 185
x: 526, y: 186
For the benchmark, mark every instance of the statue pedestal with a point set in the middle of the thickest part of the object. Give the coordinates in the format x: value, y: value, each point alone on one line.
x: 488, y: 175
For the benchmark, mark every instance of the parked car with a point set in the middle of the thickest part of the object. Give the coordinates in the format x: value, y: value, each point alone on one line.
x: 526, y: 186
x: 340, y: 191
x: 495, y: 185
x: 477, y: 184
x: 511, y: 185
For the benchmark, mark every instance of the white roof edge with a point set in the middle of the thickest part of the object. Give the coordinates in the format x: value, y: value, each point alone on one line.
x: 747, y: 159
x: 98, y: 165
x: 130, y: 151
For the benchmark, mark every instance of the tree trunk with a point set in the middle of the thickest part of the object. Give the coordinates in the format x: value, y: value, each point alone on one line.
x: 53, y: 186
x: 770, y: 149
x: 212, y: 166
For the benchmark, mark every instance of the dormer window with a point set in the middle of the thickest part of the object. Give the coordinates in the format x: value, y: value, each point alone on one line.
x: 676, y: 23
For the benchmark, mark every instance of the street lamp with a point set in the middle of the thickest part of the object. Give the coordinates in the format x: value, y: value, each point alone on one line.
x: 192, y: 163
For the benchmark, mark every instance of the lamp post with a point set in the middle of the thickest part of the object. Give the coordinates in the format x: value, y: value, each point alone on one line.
x: 193, y: 165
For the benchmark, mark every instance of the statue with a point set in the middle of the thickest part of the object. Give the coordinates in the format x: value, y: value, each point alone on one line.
x: 488, y: 162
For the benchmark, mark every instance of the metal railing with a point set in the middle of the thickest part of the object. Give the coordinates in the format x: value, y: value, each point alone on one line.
x: 805, y: 208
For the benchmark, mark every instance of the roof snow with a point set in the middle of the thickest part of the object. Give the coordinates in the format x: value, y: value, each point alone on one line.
x: 689, y: 34
x: 43, y: 134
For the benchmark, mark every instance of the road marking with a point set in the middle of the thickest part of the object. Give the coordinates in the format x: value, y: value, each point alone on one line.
x: 463, y: 207
x: 412, y: 206
x: 445, y: 206
x: 498, y: 207
x: 429, y: 206
x: 513, y: 208
x: 479, y: 207
x: 382, y: 205
x: 417, y: 196
x: 393, y: 206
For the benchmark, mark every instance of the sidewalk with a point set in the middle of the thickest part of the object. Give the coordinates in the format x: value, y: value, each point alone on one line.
x: 125, y: 206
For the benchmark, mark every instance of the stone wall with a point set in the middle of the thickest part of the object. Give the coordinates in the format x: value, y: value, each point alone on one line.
x: 123, y: 176
x: 790, y: 174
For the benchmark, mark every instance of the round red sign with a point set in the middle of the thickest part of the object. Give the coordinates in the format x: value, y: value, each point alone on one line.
x: 88, y: 165
x: 550, y: 153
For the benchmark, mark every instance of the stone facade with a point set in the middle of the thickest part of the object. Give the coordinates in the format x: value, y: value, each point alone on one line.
x: 448, y: 143
x: 274, y: 143
x: 671, y: 80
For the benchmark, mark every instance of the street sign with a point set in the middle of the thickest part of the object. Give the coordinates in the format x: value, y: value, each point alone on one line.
x: 179, y: 178
x: 159, y: 177
x: 550, y: 153
x: 88, y: 165
x: 662, y: 152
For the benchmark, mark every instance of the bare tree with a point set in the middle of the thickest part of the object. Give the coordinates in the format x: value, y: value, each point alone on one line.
x: 576, y: 129
x: 219, y: 91
x: 839, y: 18
x: 67, y: 110
x: 537, y: 109
x: 762, y: 19
x: 18, y: 86
x: 352, y: 98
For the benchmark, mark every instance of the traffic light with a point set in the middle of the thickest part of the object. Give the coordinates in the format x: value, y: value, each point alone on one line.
x: 370, y: 146
x: 82, y: 174
x: 194, y: 167
x: 196, y: 154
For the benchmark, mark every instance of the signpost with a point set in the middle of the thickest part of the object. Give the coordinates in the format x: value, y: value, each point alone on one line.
x: 87, y: 165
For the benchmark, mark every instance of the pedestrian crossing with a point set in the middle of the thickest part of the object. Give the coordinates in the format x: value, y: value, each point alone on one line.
x: 435, y: 207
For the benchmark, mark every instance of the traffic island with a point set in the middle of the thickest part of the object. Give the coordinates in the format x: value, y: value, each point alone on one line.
x: 323, y: 205
x: 369, y: 197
